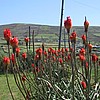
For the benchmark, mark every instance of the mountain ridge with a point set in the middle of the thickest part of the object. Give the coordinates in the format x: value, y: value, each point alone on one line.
x: 22, y: 29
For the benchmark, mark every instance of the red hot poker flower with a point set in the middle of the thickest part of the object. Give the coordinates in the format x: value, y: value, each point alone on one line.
x: 7, y: 34
x: 13, y: 58
x: 45, y: 53
x: 68, y: 23
x: 86, y: 25
x: 62, y: 50
x: 83, y: 38
x: 82, y: 57
x: 6, y: 60
x: 83, y: 84
x: 17, y: 51
x: 60, y: 60
x: 39, y: 51
x: 90, y: 47
x: 73, y: 35
x: 14, y: 42
x: 82, y: 51
x: 94, y: 57
x: 69, y: 57
x: 24, y: 56
x: 86, y: 65
x: 66, y: 49
x: 33, y: 65
x: 26, y: 39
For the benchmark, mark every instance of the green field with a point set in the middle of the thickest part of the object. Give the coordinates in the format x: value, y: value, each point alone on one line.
x: 96, y: 34
x: 4, y: 91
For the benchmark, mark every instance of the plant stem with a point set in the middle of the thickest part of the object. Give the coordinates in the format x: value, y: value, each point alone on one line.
x: 33, y: 43
x: 29, y: 38
x: 9, y: 84
x: 68, y: 40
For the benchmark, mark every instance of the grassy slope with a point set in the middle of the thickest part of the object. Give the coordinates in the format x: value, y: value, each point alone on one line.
x: 4, y: 91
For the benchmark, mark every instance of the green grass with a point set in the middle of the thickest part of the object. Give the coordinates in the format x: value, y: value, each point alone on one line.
x: 46, y: 35
x: 96, y: 34
x: 4, y: 91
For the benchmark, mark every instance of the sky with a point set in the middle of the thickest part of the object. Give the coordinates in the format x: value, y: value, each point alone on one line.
x: 47, y: 12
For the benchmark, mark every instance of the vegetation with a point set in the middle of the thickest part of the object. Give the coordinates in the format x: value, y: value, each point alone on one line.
x: 4, y: 91
x: 49, y: 73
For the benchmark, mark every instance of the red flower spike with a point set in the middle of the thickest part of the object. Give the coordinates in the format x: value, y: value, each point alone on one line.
x: 6, y: 60
x: 14, y: 42
x: 60, y: 60
x: 82, y: 51
x: 17, y: 51
x: 63, y: 50
x: 86, y: 65
x: 66, y: 49
x: 94, y: 57
x: 39, y: 51
x: 68, y: 23
x: 90, y: 46
x: 73, y: 36
x: 69, y: 57
x: 45, y: 53
x: 26, y: 39
x: 13, y: 58
x: 83, y: 37
x: 33, y: 65
x: 50, y: 50
x: 83, y: 84
x: 82, y: 57
x: 24, y: 56
x: 7, y: 34
x: 86, y: 25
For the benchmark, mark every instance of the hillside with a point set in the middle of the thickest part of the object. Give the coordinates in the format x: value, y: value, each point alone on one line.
x: 21, y: 30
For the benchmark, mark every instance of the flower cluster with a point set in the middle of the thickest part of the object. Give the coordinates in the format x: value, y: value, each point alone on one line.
x: 50, y: 73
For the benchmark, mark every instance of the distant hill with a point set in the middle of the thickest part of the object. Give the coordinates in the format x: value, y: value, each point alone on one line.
x: 21, y: 30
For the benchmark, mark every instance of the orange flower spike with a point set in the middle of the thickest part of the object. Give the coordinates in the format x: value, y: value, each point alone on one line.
x: 39, y: 51
x: 86, y: 25
x: 94, y: 57
x: 82, y: 58
x: 26, y: 39
x: 14, y: 42
x: 83, y: 84
x: 83, y: 37
x: 86, y: 65
x: 6, y: 60
x: 33, y: 65
x: 69, y: 57
x: 82, y: 51
x: 90, y: 46
x: 7, y: 34
x: 60, y: 60
x: 63, y: 50
x: 24, y: 56
x: 68, y: 23
x: 17, y: 51
x: 66, y: 49
x: 74, y: 34
x: 13, y: 58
